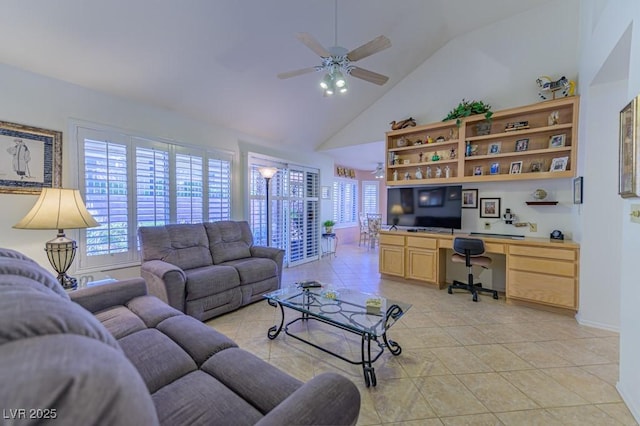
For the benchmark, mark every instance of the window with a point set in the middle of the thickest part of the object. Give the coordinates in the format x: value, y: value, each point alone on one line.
x: 129, y: 181
x: 345, y: 202
x: 294, y: 222
x: 370, y: 193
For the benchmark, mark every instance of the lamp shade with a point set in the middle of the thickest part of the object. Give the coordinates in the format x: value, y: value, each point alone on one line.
x: 396, y: 209
x: 267, y: 172
x: 58, y: 208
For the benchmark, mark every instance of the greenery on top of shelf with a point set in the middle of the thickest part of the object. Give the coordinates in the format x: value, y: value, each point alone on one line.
x: 328, y: 223
x: 467, y: 108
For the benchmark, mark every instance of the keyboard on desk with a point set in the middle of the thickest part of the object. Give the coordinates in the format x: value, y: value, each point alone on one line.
x: 509, y: 236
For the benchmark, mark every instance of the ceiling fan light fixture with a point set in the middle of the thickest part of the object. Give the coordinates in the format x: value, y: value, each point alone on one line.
x: 326, y: 81
x: 339, y: 79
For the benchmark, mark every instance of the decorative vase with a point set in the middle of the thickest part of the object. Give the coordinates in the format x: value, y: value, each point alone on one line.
x: 328, y: 229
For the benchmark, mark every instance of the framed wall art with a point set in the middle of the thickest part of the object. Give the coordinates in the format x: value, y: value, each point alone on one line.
x: 490, y: 207
x: 469, y: 198
x: 577, y: 190
x: 30, y: 158
x: 628, y: 151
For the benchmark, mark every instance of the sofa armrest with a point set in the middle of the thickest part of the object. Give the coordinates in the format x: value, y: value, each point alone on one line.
x: 166, y: 281
x: 275, y: 254
x: 328, y: 399
x: 104, y: 296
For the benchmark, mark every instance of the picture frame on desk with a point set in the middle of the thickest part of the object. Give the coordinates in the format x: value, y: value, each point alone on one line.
x: 628, y: 150
x: 490, y: 208
x: 557, y: 141
x: 522, y: 145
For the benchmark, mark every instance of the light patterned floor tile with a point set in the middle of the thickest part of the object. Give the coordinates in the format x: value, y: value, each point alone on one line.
x: 462, y: 363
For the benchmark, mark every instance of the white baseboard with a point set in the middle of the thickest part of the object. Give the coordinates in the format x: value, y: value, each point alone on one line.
x: 602, y: 326
x: 632, y: 405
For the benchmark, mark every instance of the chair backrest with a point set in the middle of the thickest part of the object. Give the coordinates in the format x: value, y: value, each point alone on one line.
x: 472, y: 246
x: 363, y: 223
x: 374, y: 222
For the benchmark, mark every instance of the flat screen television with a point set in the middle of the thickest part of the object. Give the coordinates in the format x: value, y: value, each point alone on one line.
x: 425, y: 206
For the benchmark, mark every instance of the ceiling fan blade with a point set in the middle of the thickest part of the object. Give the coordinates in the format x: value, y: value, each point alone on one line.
x: 370, y: 76
x: 296, y: 73
x: 313, y: 44
x: 367, y: 49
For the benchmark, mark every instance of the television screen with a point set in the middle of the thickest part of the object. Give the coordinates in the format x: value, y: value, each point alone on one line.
x: 425, y: 207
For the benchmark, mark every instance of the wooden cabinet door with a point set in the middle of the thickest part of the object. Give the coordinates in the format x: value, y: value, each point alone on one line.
x: 421, y: 264
x: 392, y: 260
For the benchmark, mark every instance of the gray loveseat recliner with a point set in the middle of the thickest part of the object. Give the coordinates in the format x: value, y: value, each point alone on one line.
x: 208, y: 269
x: 118, y: 356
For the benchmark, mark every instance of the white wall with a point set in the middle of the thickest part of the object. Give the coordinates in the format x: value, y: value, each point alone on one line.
x: 498, y: 65
x: 610, y: 68
x: 47, y: 103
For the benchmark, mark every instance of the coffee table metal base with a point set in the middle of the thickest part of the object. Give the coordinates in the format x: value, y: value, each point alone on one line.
x: 366, y: 359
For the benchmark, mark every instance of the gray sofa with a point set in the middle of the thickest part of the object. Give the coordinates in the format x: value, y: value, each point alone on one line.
x: 208, y: 269
x: 114, y: 355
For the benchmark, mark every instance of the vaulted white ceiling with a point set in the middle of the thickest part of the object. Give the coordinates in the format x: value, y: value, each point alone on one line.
x: 217, y: 60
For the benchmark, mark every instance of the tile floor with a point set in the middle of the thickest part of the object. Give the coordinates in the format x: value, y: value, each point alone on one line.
x: 462, y: 363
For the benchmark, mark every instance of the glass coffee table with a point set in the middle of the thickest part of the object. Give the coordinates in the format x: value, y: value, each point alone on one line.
x: 347, y: 310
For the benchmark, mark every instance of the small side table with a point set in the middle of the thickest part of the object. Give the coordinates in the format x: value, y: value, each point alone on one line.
x: 329, y: 244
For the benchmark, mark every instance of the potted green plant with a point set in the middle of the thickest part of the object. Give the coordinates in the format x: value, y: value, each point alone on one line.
x: 328, y: 226
x: 468, y: 108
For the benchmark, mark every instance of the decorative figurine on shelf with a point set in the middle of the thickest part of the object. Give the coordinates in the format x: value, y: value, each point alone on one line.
x: 548, y: 88
x: 428, y: 172
x: 447, y: 172
x: 467, y: 149
x: 554, y: 118
x: 429, y: 139
x: 440, y: 139
x: 420, y: 156
x: 453, y: 133
x: 452, y: 153
x: 407, y: 176
x: 419, y: 173
x: 435, y: 156
x: 418, y: 142
x: 409, y: 122
x: 438, y: 172
x: 395, y: 175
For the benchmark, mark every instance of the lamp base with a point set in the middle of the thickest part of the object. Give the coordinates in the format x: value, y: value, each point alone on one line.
x: 67, y: 282
x: 393, y: 227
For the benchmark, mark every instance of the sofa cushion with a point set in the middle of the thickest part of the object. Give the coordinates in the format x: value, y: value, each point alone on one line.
x: 197, y: 339
x: 85, y: 381
x: 158, y: 359
x: 183, y: 245
x: 32, y: 311
x: 15, y: 263
x: 240, y: 371
x: 199, y: 399
x: 254, y: 269
x: 120, y: 321
x: 209, y: 280
x: 229, y: 240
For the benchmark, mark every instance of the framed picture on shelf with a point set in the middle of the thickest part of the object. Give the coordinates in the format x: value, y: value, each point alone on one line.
x: 559, y: 164
x: 577, y: 190
x: 477, y: 171
x: 522, y: 145
x: 469, y: 198
x: 32, y: 158
x: 628, y: 150
x: 515, y: 168
x: 495, y: 169
x: 557, y: 141
x: 494, y: 148
x: 490, y: 207
x: 536, y: 166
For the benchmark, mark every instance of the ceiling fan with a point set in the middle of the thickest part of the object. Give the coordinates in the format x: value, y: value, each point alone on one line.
x: 338, y: 61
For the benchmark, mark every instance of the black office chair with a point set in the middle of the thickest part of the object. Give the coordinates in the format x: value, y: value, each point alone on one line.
x: 469, y: 251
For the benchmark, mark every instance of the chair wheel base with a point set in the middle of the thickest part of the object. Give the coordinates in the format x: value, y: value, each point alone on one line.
x: 473, y: 289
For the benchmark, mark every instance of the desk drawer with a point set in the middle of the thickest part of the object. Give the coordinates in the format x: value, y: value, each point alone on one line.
x: 548, y: 289
x: 419, y: 242
x: 550, y: 253
x: 551, y: 267
x: 494, y: 248
x: 391, y: 240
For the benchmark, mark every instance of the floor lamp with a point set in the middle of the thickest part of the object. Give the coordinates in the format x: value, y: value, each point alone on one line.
x: 267, y: 173
x: 59, y: 209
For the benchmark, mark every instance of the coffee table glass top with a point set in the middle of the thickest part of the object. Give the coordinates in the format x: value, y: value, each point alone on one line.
x: 342, y: 306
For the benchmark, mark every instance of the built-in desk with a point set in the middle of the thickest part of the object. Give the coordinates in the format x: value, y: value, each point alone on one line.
x: 538, y: 270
